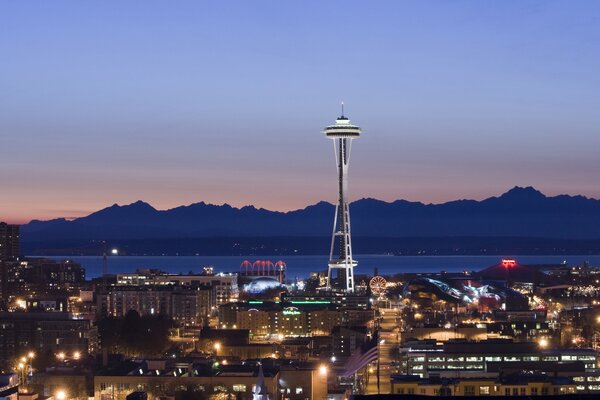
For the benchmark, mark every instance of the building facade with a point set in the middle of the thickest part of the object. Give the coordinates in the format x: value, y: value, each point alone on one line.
x: 492, y: 358
x: 519, y: 385
x: 187, y: 305
x: 224, y: 287
x: 9, y: 242
x: 289, y: 319
x: 44, y: 332
x: 237, y: 381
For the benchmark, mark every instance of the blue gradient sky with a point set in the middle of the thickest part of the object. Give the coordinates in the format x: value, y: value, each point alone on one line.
x: 178, y: 102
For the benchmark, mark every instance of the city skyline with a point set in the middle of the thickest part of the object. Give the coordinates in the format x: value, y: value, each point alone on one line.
x: 203, y: 103
x: 173, y: 226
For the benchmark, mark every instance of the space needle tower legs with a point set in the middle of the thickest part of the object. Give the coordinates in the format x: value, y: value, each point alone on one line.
x: 340, y: 255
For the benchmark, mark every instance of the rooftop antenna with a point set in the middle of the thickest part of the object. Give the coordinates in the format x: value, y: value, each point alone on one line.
x: 342, y: 109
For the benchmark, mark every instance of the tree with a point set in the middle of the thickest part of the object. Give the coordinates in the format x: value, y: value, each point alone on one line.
x: 135, y: 335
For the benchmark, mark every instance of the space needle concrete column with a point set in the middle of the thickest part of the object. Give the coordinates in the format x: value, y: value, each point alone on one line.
x: 340, y: 255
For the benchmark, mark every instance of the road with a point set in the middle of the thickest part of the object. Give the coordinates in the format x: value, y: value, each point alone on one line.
x: 388, y: 339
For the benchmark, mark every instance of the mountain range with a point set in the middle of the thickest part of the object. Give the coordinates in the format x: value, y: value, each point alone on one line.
x: 522, y: 212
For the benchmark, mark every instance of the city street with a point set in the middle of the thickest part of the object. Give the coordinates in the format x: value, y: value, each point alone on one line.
x: 388, y: 339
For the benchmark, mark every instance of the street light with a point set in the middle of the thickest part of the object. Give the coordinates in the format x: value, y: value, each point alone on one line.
x: 323, y: 369
x: 76, y: 355
x: 30, y: 357
x: 60, y: 356
x: 61, y: 395
x: 543, y: 343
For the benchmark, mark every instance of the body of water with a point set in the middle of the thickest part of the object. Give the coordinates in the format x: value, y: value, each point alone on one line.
x: 301, y: 266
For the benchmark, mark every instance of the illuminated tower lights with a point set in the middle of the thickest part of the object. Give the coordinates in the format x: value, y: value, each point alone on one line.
x: 340, y: 255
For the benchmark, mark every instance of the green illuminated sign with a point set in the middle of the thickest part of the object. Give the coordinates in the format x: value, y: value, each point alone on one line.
x: 310, y: 302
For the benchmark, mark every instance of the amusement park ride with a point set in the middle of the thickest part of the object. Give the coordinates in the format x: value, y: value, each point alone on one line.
x: 377, y: 285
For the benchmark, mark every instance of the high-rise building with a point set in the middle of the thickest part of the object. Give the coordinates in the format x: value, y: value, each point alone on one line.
x: 9, y: 241
x: 9, y: 252
x: 340, y: 255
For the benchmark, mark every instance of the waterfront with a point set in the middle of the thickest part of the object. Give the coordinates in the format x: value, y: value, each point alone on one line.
x: 301, y: 266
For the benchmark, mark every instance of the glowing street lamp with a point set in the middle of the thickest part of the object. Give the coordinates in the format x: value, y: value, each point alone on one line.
x: 323, y: 369
x: 77, y: 355
x: 61, y: 356
x: 543, y: 343
x: 60, y: 395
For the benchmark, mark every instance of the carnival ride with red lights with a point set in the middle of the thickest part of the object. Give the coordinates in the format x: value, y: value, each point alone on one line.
x: 263, y: 268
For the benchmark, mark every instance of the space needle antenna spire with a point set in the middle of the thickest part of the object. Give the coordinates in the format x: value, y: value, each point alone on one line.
x: 341, y: 264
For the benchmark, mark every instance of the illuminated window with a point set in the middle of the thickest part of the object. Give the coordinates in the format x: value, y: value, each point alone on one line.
x: 531, y: 358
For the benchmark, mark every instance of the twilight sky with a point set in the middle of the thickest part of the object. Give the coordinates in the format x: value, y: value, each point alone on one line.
x: 106, y: 102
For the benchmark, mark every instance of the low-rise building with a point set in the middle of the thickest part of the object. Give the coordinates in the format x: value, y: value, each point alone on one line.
x: 44, y: 332
x: 492, y: 358
x: 290, y: 381
x: 288, y: 319
x: 513, y: 385
x: 224, y: 287
x: 347, y: 339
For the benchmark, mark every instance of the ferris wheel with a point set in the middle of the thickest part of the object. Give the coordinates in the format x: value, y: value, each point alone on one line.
x: 377, y: 285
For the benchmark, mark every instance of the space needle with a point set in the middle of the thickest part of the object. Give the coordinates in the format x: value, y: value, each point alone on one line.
x: 340, y: 255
